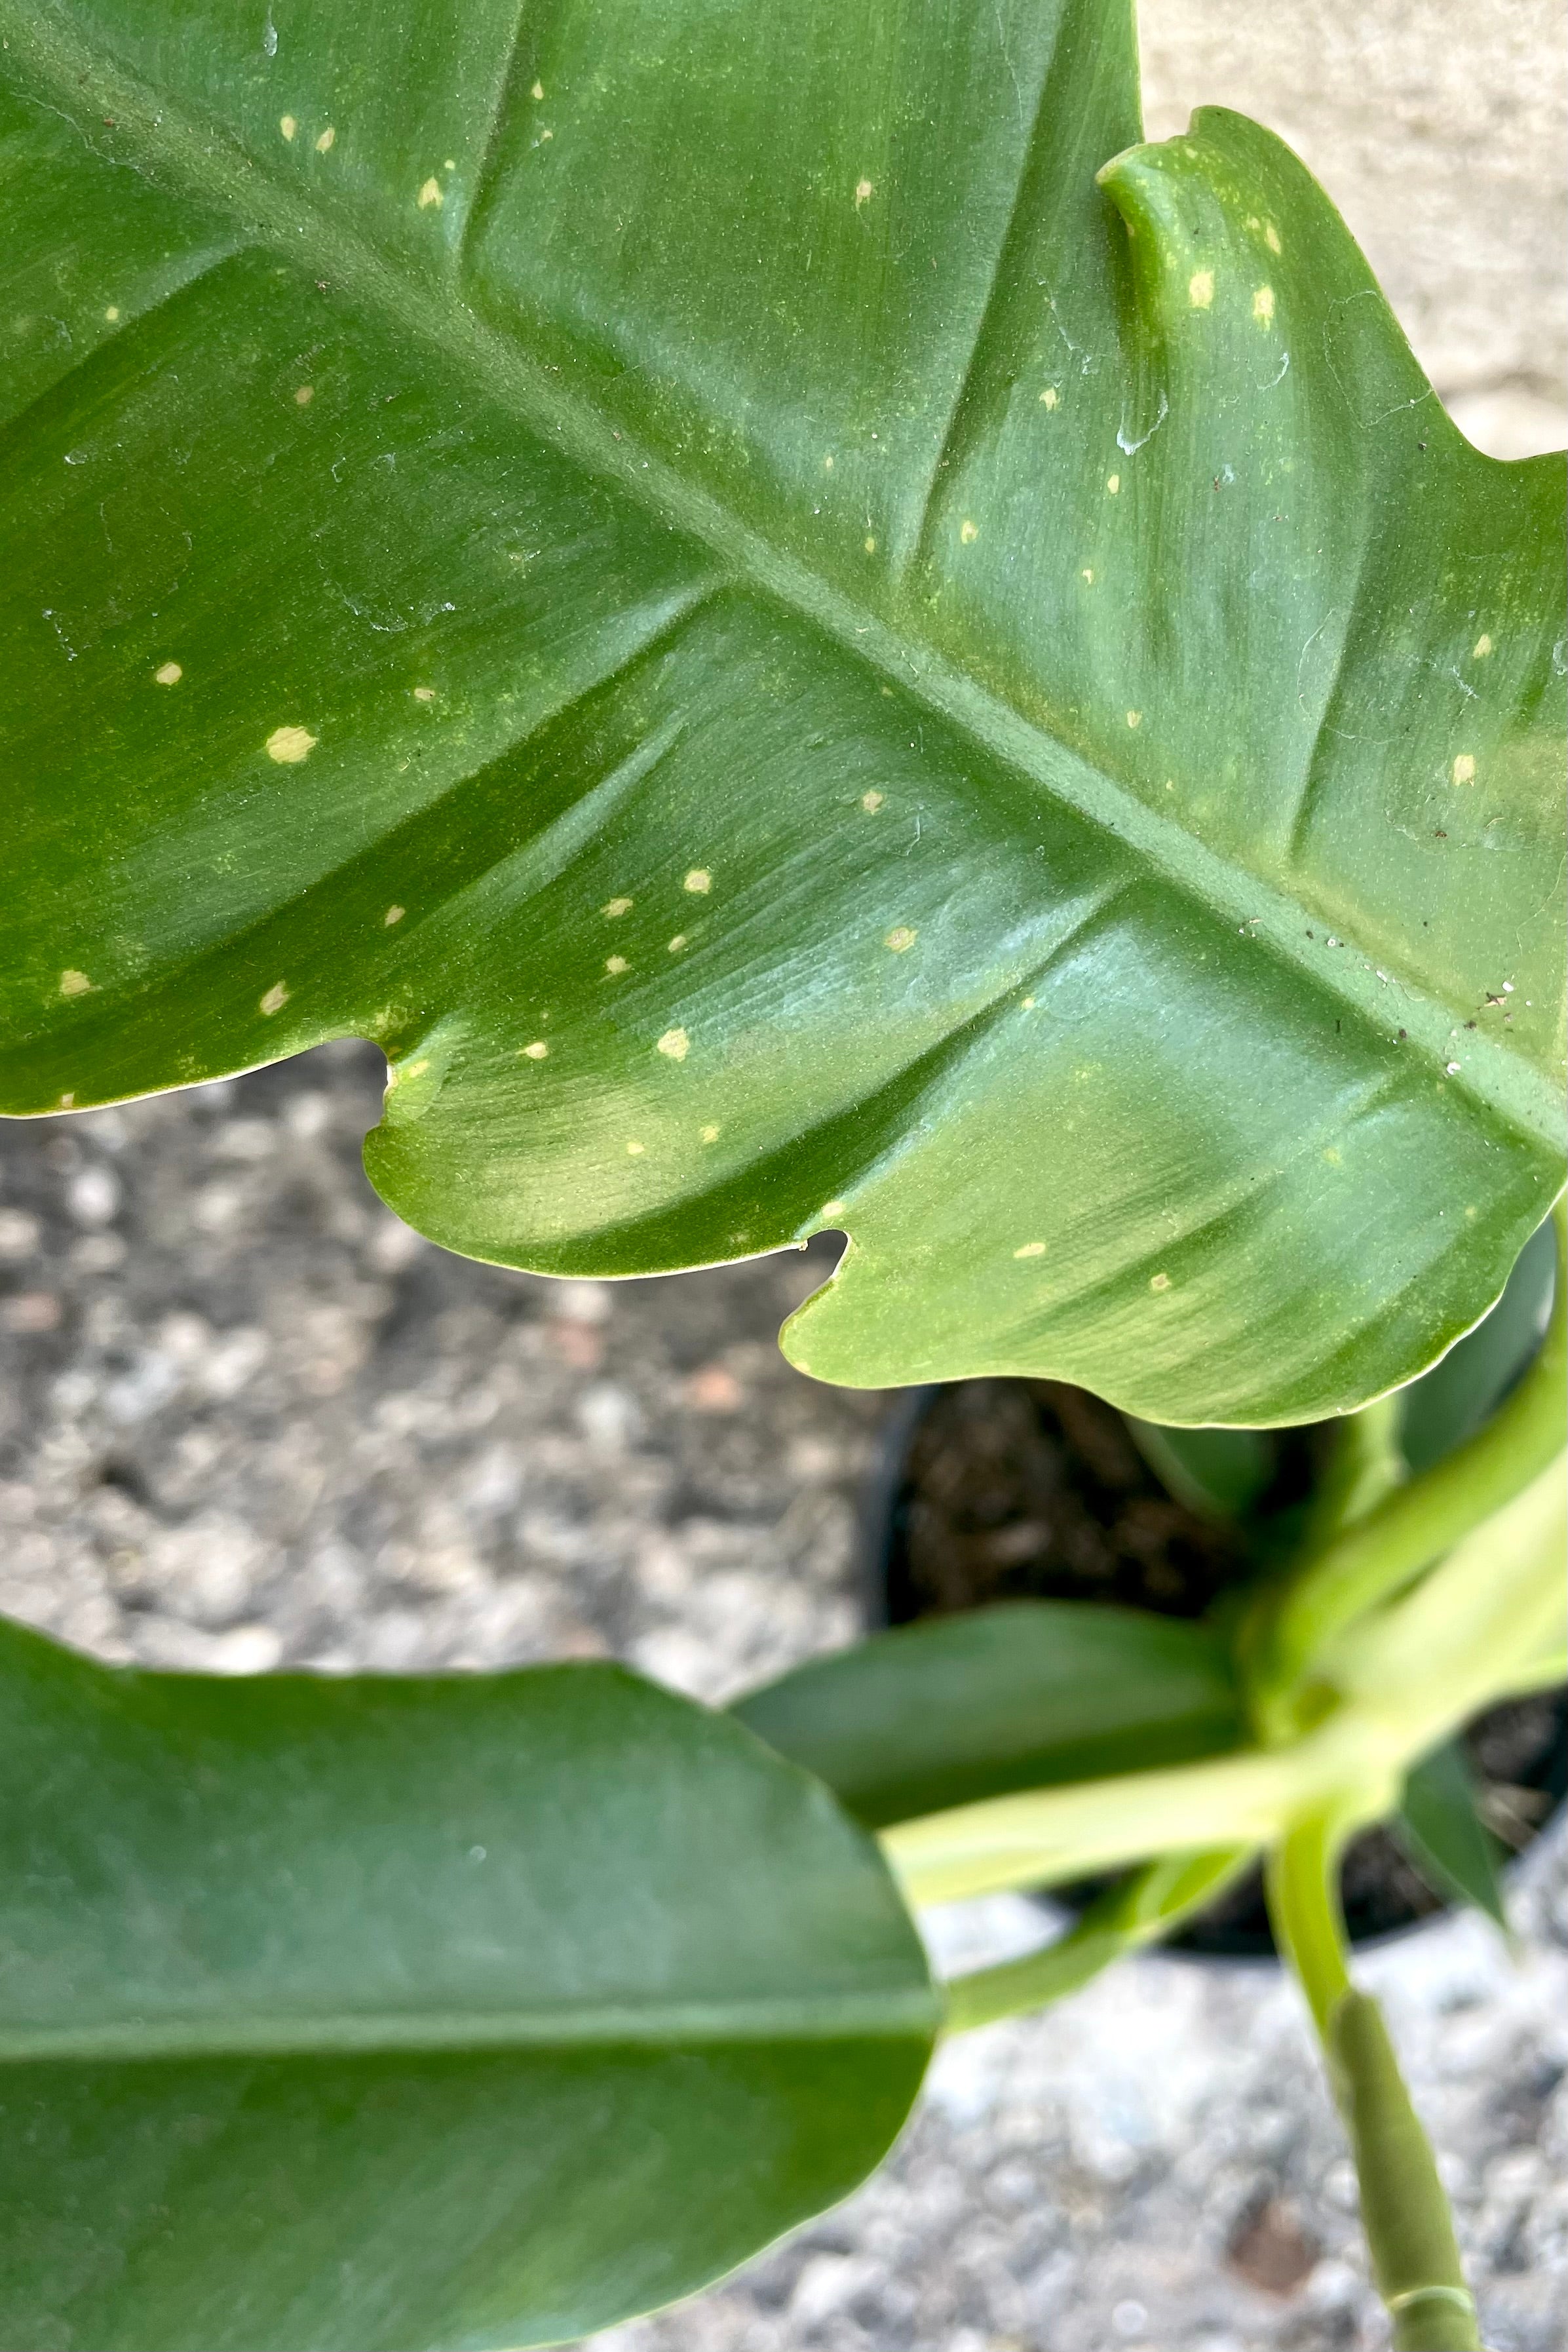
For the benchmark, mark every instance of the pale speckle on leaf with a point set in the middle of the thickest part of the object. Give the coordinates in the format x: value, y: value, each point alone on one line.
x: 1114, y: 484
x: 613, y: 909
x: 393, y: 915
x: 677, y: 943
x: 304, y: 395
x: 900, y: 938
x: 289, y: 745
x: 74, y: 984
x: 969, y: 532
x: 616, y: 965
x: 635, y: 1151
x: 168, y: 673
x: 112, y: 313
x: 277, y: 997
x: 1465, y: 769
x: 1135, y: 718
x: 425, y: 694
x: 699, y: 881
x: 1263, y: 306
x: 1272, y: 238
x: 872, y: 802
x: 675, y: 1045
x: 1031, y: 1249
x: 1200, y: 288
x: 538, y: 91
x: 710, y: 1135
x: 831, y: 1209
x: 288, y: 125
x: 1481, y: 647
x: 324, y: 143
x: 1050, y: 396
x: 430, y: 194
x: 863, y: 192
x: 538, y: 1051
x: 1159, y: 1282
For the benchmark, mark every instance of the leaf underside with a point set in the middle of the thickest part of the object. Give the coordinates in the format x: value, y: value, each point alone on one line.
x: 355, y: 2015
x: 794, y: 659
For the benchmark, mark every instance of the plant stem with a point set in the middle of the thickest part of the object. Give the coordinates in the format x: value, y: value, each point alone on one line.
x: 1146, y: 1906
x: 1409, y: 2230
x: 1366, y: 1563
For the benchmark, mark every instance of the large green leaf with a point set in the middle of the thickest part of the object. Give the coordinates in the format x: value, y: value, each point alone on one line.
x: 1032, y: 1694
x: 794, y: 659
x: 450, y: 2013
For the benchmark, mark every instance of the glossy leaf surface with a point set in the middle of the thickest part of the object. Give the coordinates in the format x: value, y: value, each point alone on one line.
x: 1031, y: 1693
x: 796, y: 660
x: 451, y: 2013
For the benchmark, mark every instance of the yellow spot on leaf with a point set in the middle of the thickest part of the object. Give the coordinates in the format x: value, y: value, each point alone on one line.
x: 304, y: 395
x: 112, y: 313
x: 1333, y: 1157
x: 872, y: 802
x: 288, y: 125
x: 1031, y: 1249
x: 1087, y: 576
x: 616, y: 965
x: 969, y: 532
x: 169, y: 673
x: 1264, y: 305
x: 1271, y: 237
x: 289, y: 745
x: 1159, y: 1282
x: 1050, y: 396
x: 425, y: 694
x: 1114, y: 484
x: 538, y: 91
x: 635, y: 1151
x: 870, y: 546
x: 538, y: 1051
x: 831, y: 1209
x: 1200, y: 288
x: 710, y: 1135
x: 1135, y: 718
x: 900, y: 938
x: 430, y: 193
x: 674, y: 1043
x: 615, y: 907
x: 1464, y: 769
x: 1481, y: 647
x: 277, y: 997
x: 677, y: 943
x: 1027, y: 1003
x: 699, y: 881
x: 74, y: 984
x: 863, y: 192
x: 393, y: 915
x: 324, y: 143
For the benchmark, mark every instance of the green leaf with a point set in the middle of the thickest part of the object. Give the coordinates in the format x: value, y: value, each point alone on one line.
x: 795, y: 660
x: 1220, y: 1472
x: 385, y: 2013
x: 1449, y: 1403
x: 1439, y: 1828
x: 1031, y: 1693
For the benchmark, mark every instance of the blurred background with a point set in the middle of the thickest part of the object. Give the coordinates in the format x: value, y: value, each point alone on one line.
x: 247, y: 1419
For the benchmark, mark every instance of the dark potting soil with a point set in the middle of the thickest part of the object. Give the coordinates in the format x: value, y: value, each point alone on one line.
x: 1032, y: 1489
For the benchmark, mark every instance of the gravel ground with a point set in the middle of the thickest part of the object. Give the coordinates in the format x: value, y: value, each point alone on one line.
x: 248, y: 1419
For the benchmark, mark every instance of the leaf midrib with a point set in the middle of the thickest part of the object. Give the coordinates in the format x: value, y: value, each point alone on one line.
x: 895, y: 2012
x: 68, y: 75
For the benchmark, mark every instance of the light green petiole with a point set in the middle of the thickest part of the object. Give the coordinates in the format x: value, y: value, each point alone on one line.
x: 1367, y: 1562
x: 1409, y: 2230
x: 1146, y: 1907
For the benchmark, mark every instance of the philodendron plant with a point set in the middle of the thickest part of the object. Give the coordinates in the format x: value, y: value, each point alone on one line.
x: 807, y: 634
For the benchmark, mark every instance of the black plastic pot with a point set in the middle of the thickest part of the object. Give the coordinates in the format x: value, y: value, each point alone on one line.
x: 1521, y: 1746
